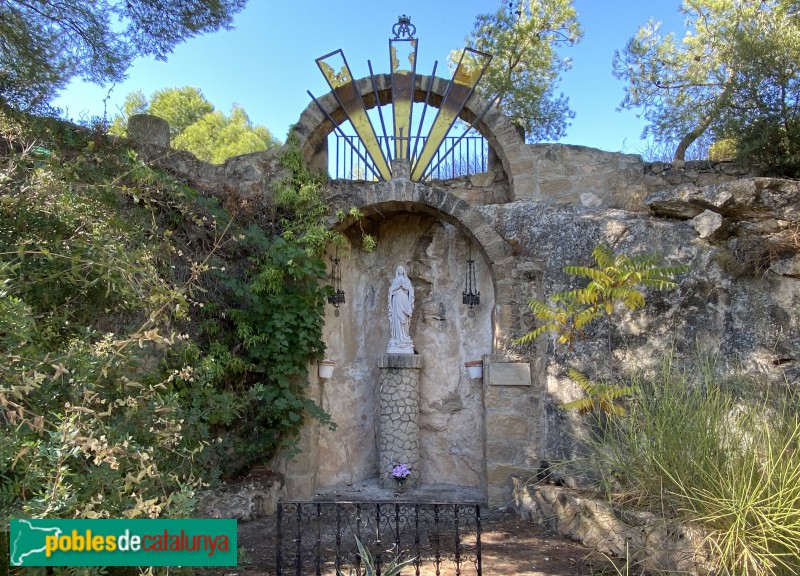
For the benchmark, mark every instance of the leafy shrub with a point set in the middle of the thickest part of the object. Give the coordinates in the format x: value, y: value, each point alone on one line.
x: 615, y: 279
x: 148, y: 339
x: 85, y: 311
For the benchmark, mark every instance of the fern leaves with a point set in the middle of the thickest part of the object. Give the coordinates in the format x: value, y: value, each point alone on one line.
x: 566, y: 317
x: 601, y: 396
x: 615, y: 279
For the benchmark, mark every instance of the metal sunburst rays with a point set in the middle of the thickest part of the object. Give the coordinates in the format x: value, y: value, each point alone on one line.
x: 404, y: 145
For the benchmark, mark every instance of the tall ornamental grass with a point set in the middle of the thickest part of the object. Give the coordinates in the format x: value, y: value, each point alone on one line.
x: 720, y: 454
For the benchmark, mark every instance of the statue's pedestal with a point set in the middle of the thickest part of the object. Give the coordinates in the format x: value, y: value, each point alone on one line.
x: 399, y: 441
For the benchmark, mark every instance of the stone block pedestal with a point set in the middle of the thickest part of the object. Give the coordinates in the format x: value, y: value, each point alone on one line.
x: 399, y: 441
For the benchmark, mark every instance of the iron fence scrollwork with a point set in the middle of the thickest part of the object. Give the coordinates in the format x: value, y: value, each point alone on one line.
x: 320, y: 537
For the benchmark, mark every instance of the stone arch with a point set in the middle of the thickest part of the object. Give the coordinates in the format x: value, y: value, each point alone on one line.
x: 431, y: 228
x: 313, y: 127
x: 402, y: 195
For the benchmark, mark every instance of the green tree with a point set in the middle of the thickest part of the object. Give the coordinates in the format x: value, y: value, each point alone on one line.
x: 216, y: 137
x: 734, y: 73
x: 45, y: 43
x: 521, y: 79
x: 181, y: 107
x: 767, y: 95
x: 196, y: 126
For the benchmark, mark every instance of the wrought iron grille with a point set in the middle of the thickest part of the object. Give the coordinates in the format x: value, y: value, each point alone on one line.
x: 468, y: 72
x: 458, y: 156
x: 320, y: 537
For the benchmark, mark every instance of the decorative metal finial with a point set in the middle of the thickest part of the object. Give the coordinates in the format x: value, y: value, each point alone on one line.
x: 404, y: 27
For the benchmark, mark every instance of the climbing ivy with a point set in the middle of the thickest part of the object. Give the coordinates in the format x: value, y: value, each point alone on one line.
x: 279, y: 324
x: 257, y: 347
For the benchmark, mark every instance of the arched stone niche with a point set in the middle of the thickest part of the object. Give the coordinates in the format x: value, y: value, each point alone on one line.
x: 379, y: 200
x: 431, y: 233
x: 450, y: 403
x: 504, y: 138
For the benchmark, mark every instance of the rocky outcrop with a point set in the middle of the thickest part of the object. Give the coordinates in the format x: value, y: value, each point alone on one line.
x: 757, y: 220
x: 646, y: 540
x: 248, y: 500
x: 754, y: 199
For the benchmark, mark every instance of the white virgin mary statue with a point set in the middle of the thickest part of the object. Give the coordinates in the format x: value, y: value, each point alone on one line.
x: 401, y: 306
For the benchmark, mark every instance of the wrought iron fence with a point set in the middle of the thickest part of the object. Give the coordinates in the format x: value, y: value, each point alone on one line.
x: 320, y: 537
x: 458, y: 156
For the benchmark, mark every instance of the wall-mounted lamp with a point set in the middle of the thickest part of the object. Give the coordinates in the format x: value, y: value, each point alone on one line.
x: 471, y: 295
x: 337, y: 298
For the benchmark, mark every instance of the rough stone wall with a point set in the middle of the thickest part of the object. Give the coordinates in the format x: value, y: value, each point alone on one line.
x: 747, y: 320
x: 478, y: 189
x: 561, y: 174
x: 665, y: 175
x: 739, y: 300
x: 583, y: 176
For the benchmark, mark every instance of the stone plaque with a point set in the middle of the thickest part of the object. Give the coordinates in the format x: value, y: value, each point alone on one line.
x: 509, y: 374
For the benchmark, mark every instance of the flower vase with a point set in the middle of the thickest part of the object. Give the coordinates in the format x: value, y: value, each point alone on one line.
x: 475, y: 368
x: 400, y: 484
x: 326, y: 368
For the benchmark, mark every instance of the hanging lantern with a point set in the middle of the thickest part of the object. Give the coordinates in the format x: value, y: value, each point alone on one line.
x: 471, y: 295
x: 337, y: 298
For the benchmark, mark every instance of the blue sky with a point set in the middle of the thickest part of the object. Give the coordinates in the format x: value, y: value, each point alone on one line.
x: 266, y: 63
